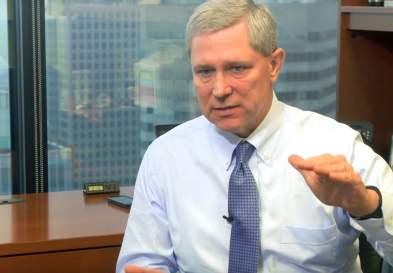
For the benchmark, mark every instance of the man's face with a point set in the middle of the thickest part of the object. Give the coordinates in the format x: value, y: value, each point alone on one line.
x: 234, y: 82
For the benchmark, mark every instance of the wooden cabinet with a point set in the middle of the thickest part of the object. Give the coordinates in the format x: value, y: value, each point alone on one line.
x: 365, y: 76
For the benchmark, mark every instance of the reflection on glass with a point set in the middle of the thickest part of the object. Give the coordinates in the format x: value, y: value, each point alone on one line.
x: 5, y: 142
x: 116, y: 69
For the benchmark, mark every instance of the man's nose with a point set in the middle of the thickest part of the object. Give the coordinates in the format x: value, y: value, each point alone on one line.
x: 221, y: 88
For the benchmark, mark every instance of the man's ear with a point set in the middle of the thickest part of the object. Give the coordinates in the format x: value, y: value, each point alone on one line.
x: 276, y: 62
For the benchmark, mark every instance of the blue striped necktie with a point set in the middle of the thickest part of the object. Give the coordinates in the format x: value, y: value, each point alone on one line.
x: 243, y: 208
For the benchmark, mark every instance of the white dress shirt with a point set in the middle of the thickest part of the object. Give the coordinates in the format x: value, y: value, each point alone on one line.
x: 176, y: 221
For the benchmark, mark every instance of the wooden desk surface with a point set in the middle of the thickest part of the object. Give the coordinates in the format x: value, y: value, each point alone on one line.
x: 59, y: 221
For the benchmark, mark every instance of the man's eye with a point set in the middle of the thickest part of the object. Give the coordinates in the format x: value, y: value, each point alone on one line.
x: 238, y: 68
x: 204, y: 72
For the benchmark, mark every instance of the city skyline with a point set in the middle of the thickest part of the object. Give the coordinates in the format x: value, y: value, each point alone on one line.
x: 116, y: 69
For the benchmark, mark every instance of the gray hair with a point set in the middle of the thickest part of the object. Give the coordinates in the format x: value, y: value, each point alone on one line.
x: 215, y: 15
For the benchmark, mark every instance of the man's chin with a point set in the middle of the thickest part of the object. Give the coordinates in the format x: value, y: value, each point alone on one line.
x: 230, y: 128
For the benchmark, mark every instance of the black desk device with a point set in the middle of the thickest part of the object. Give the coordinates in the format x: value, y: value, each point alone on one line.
x: 124, y: 201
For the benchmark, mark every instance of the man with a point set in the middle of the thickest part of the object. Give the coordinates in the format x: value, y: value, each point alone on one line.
x: 308, y: 171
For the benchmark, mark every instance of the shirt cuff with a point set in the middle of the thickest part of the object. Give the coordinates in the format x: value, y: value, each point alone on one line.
x: 377, y: 213
x: 373, y: 228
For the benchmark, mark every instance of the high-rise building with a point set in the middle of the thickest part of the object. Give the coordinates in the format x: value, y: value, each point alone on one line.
x: 5, y: 172
x: 5, y: 139
x: 309, y: 37
x: 5, y: 143
x: 59, y: 163
x: 118, y: 68
x: 91, y: 49
x: 164, y: 90
x: 104, y: 144
x: 163, y: 78
x: 162, y: 25
x: 60, y: 166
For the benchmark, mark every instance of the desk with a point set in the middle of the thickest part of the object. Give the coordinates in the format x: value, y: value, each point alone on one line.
x: 61, y: 232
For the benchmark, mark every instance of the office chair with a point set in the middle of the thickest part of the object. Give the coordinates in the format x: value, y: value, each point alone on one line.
x: 386, y: 268
x: 161, y: 129
x: 370, y: 260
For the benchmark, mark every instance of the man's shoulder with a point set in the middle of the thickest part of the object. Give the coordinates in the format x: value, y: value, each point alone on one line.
x: 309, y: 119
x: 187, y: 129
x: 186, y: 141
x: 185, y: 133
x: 312, y: 125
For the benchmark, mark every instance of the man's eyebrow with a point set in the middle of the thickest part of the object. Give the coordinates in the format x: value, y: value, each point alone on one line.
x: 235, y: 63
x: 202, y: 66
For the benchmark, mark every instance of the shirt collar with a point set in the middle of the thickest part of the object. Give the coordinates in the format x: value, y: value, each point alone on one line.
x: 262, y: 137
x: 226, y: 143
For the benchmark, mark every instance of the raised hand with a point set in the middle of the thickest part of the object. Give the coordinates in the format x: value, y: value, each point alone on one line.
x: 137, y: 269
x: 334, y: 182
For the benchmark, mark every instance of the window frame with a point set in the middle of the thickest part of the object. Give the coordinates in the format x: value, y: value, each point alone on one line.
x: 27, y: 79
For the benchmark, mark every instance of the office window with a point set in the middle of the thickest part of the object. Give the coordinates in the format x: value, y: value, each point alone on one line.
x: 5, y: 141
x: 308, y: 33
x: 140, y: 76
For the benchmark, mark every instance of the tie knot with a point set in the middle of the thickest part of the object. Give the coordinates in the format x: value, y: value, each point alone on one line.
x: 243, y: 152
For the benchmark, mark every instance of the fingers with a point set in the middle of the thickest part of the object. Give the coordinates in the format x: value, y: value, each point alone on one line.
x: 136, y: 269
x: 341, y: 176
x: 326, y: 166
x: 333, y: 166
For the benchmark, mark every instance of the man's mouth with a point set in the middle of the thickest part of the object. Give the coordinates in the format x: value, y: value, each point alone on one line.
x: 225, y: 110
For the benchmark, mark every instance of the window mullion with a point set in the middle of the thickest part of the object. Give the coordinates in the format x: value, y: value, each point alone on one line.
x: 28, y: 100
